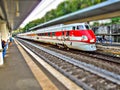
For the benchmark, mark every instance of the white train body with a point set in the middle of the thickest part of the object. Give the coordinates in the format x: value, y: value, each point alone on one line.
x: 77, y: 36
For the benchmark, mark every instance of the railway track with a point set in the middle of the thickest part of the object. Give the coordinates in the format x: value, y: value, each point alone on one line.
x: 101, y: 60
x: 86, y: 75
x: 98, y: 55
x: 102, y: 56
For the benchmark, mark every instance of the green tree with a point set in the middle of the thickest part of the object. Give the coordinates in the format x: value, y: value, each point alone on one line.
x: 61, y: 9
x: 115, y: 20
x: 73, y: 5
x: 52, y: 14
x: 96, y: 23
x: 68, y: 6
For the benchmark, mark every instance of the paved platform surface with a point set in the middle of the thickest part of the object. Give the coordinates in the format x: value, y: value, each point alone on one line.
x: 109, y: 46
x: 15, y: 73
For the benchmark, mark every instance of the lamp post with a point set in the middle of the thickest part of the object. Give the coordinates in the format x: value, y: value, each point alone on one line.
x: 17, y: 9
x: 44, y: 19
x: 110, y: 34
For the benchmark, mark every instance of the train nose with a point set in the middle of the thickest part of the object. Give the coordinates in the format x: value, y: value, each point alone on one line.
x: 93, y: 47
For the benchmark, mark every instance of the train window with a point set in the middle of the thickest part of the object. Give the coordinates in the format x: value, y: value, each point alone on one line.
x: 69, y: 28
x: 87, y: 27
x: 80, y: 27
x: 65, y: 28
x: 48, y: 34
x: 73, y: 27
x: 63, y: 33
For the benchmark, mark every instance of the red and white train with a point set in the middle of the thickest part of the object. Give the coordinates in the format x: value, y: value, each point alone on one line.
x: 77, y: 36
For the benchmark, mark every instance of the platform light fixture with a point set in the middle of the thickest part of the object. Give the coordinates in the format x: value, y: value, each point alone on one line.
x: 17, y: 8
x: 17, y: 13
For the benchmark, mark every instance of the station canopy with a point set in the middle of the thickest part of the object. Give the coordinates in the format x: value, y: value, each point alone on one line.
x: 14, y: 12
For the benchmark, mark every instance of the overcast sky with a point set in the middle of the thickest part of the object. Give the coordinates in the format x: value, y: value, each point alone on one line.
x: 43, y: 7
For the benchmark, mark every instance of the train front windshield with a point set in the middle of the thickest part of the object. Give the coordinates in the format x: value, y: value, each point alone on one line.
x: 83, y: 27
x: 87, y: 27
x: 80, y: 27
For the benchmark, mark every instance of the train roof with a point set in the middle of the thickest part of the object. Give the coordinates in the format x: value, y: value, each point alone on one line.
x: 60, y: 25
x: 54, y: 28
x: 75, y: 24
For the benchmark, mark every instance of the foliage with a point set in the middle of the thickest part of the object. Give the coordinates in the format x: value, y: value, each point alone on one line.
x: 96, y: 23
x: 115, y: 20
x: 20, y: 30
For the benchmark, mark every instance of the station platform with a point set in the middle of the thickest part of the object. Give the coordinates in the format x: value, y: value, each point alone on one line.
x: 109, y: 44
x: 20, y: 72
x: 15, y: 73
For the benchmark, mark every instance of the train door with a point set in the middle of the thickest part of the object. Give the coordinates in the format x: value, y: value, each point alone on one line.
x: 63, y: 34
x: 67, y: 35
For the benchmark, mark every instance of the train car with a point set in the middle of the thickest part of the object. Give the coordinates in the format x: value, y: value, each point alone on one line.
x: 76, y: 36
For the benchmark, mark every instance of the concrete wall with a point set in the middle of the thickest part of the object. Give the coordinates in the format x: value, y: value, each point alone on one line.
x: 4, y: 31
x: 4, y: 35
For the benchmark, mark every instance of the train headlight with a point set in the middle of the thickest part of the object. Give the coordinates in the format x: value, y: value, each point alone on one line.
x: 84, y: 38
x: 92, y: 40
